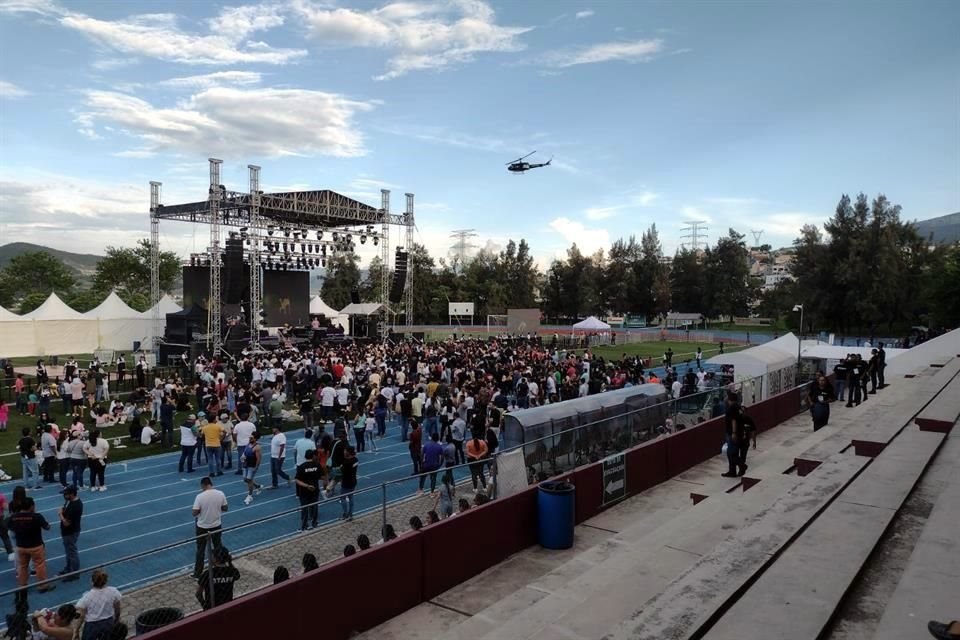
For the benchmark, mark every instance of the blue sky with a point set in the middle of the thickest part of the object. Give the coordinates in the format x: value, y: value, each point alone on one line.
x: 756, y: 115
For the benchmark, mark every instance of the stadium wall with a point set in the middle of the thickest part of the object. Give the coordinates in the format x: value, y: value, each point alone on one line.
x: 399, y: 575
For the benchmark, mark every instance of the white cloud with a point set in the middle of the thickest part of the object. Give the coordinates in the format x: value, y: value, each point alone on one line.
x: 216, y: 79
x: 420, y: 36
x: 646, y: 198
x: 639, y: 200
x: 10, y: 91
x: 694, y: 213
x: 635, y: 51
x: 588, y: 239
x: 159, y: 36
x: 601, y: 213
x: 231, y: 122
x: 135, y: 153
x: 734, y: 202
x: 580, y: 15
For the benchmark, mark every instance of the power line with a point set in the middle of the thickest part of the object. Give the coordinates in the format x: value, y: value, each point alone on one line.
x: 694, y: 235
x: 462, y: 245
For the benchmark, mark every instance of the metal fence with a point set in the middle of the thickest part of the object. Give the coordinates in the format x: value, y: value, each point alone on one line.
x: 116, y: 387
x: 163, y: 584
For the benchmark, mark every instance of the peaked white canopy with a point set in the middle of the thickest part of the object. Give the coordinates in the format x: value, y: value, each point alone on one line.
x: 318, y: 307
x: 112, y: 308
x: 53, y: 308
x: 166, y: 305
x: 8, y: 315
x: 591, y: 323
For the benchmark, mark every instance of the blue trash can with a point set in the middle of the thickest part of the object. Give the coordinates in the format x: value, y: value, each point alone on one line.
x: 555, y: 514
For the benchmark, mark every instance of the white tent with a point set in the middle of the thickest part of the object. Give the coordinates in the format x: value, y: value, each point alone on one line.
x: 772, y: 362
x: 58, y: 329
x: 592, y: 323
x: 319, y: 307
x: 16, y: 335
x: 118, y: 325
x: 361, y: 309
x: 165, y: 306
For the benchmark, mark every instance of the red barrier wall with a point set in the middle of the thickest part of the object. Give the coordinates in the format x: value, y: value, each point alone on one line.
x: 376, y: 585
x: 506, y: 526
x: 373, y: 586
x: 646, y: 466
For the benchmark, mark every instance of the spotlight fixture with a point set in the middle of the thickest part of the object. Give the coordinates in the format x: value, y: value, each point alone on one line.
x: 270, y: 229
x: 323, y: 262
x: 336, y: 236
x: 286, y: 232
x: 376, y: 240
x: 319, y: 234
x: 363, y: 239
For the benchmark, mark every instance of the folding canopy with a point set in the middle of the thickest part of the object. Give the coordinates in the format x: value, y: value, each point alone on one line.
x: 16, y: 335
x: 319, y: 307
x: 58, y: 329
x: 118, y: 325
x: 592, y: 323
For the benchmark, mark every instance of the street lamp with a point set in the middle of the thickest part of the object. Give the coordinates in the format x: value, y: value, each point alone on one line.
x: 799, y: 307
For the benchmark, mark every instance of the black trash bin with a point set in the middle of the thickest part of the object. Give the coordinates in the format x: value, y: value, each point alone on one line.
x: 155, y: 618
x: 556, y: 514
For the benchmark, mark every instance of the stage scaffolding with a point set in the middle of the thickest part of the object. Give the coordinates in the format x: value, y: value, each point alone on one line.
x: 331, y: 218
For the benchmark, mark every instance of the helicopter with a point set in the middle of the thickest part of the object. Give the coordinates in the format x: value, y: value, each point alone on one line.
x: 519, y: 166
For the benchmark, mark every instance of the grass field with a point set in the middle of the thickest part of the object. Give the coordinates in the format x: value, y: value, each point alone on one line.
x: 10, y: 459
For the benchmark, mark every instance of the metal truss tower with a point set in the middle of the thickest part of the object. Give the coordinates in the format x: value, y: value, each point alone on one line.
x: 214, y: 311
x: 156, y: 325
x: 254, y: 235
x: 385, y: 257
x: 757, y: 234
x: 408, y: 292
x: 694, y: 233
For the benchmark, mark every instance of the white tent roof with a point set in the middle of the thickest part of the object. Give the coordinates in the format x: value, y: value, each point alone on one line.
x: 836, y: 352
x: 112, y: 308
x: 786, y: 343
x: 940, y: 349
x: 592, y: 323
x: 166, y: 304
x: 361, y: 309
x: 53, y: 308
x: 8, y: 315
x: 318, y: 307
x: 762, y: 355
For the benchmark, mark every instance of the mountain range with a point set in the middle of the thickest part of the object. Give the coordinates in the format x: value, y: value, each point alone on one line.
x: 83, y: 265
x: 940, y: 230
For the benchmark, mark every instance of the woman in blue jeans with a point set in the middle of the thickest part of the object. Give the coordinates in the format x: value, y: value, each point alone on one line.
x: 380, y: 415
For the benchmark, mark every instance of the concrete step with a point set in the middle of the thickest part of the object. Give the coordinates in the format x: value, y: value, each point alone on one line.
x: 806, y: 584
x: 686, y: 604
x: 929, y: 588
x: 944, y: 411
x: 587, y: 605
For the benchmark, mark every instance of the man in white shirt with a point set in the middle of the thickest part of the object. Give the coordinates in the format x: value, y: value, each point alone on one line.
x: 241, y: 436
x: 208, y: 507
x: 676, y: 388
x: 343, y: 396
x: 327, y: 396
x: 148, y: 435
x: 278, y: 450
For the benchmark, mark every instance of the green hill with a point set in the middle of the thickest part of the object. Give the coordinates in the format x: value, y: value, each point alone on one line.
x: 941, y: 230
x: 82, y: 264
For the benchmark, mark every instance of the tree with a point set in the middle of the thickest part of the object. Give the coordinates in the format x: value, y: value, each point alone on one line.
x: 342, y: 277
x: 945, y: 289
x: 518, y: 274
x: 649, y: 272
x: 370, y: 286
x: 126, y: 270
x: 34, y: 275
x: 421, y: 269
x: 687, y: 283
x: 619, y: 287
x: 726, y: 273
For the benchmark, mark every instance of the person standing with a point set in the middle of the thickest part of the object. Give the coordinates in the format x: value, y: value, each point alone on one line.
x: 881, y: 365
x: 48, y: 445
x: 100, y: 608
x: 96, y: 449
x: 208, y: 509
x: 212, y: 434
x: 476, y: 455
x: 874, y: 368
x: 348, y: 481
x: 250, y: 457
x: 121, y: 370
x: 416, y: 446
x: 820, y: 397
x: 432, y: 461
x: 241, y: 437
x: 303, y: 445
x: 168, y: 411
x: 70, y: 515
x: 840, y: 377
x: 278, y: 450
x: 735, y: 435
x: 307, y: 479
x: 223, y: 575
x: 78, y: 458
x: 28, y: 526
x: 226, y: 442
x: 359, y: 430
x: 458, y: 432
x: 188, y: 442
x: 27, y: 447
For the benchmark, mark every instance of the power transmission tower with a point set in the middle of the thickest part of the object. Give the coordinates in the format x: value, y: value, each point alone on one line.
x: 694, y: 235
x: 757, y: 234
x: 462, y: 245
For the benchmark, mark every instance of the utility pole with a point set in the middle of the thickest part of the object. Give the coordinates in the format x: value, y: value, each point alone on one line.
x: 694, y: 235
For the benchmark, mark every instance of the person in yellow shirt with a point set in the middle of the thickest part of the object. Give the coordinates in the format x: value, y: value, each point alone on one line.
x: 212, y: 434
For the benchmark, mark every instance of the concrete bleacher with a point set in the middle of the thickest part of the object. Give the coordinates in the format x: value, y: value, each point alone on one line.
x: 944, y: 411
x: 784, y: 543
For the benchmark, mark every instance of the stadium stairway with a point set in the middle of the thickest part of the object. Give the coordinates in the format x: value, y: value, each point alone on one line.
x: 660, y: 565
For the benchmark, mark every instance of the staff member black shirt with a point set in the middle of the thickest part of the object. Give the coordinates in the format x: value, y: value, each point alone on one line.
x: 27, y: 527
x: 73, y: 512
x: 309, y: 473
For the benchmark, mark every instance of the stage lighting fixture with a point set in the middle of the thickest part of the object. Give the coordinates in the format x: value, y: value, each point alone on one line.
x: 336, y: 236
x: 270, y: 229
x: 193, y: 261
x: 303, y: 248
x: 243, y: 229
x: 376, y: 240
x: 286, y: 232
x: 349, y: 238
x: 323, y: 262
x: 319, y: 234
x: 363, y: 239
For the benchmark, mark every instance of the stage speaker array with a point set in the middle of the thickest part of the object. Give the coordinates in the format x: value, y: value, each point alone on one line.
x: 233, y: 275
x: 399, y: 277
